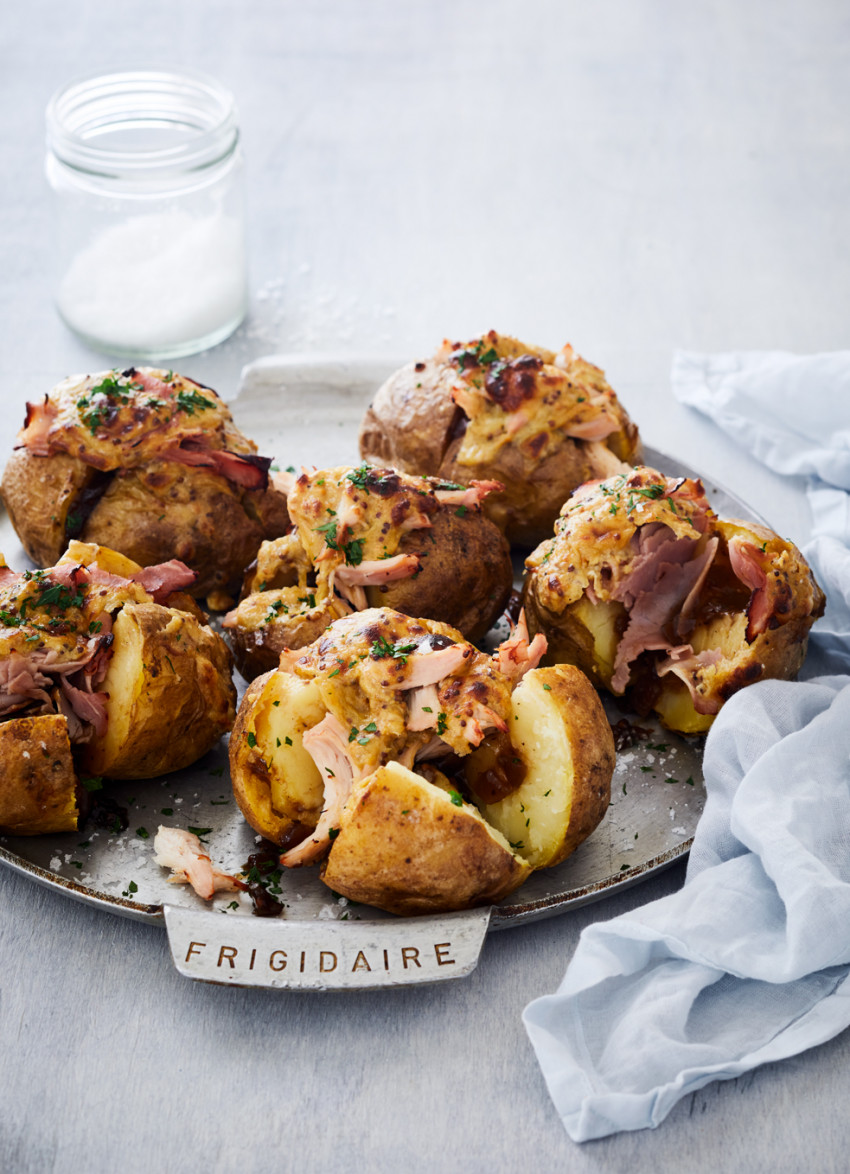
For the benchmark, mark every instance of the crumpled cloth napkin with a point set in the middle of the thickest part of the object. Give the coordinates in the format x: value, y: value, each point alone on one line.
x: 750, y: 961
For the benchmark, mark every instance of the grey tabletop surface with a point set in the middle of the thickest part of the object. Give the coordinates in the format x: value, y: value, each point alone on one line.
x: 633, y: 176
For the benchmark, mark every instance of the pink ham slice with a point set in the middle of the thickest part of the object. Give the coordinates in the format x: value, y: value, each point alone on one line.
x: 769, y: 593
x: 664, y: 575
x: 163, y: 579
x: 183, y: 853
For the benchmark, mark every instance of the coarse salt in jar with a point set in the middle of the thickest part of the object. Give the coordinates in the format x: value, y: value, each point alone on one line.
x: 146, y: 173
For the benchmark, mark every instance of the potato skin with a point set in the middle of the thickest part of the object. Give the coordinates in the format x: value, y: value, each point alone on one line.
x: 405, y: 847
x: 466, y: 577
x: 38, y: 493
x: 38, y: 785
x: 171, y: 696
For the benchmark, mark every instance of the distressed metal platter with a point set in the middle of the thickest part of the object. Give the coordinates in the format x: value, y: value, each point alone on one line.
x: 307, y: 410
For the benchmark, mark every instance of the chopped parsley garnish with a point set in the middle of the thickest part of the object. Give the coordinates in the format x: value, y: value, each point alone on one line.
x: 333, y: 833
x: 360, y: 477
x: 190, y: 401
x: 400, y: 650
x: 251, y: 739
x: 95, y: 783
x: 442, y: 721
x: 200, y: 831
x: 455, y: 797
x: 329, y: 531
x: 143, y: 833
x: 354, y: 552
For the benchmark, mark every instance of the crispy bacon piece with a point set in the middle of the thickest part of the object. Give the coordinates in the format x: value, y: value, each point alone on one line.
x: 183, y: 853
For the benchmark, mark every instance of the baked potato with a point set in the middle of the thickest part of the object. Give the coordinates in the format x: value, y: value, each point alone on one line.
x: 541, y: 423
x: 369, y: 537
x: 663, y: 603
x: 146, y: 462
x: 105, y: 669
x: 411, y: 767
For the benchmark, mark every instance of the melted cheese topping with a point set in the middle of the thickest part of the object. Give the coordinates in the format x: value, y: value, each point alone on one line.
x: 594, y: 543
x: 125, y: 419
x: 525, y: 396
x: 367, y: 666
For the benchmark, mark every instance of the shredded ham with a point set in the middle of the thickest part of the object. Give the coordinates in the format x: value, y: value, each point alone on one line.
x: 664, y: 576
x: 685, y: 663
x: 515, y: 656
x: 162, y: 580
x: 327, y: 745
x: 596, y: 428
x: 283, y: 482
x: 472, y: 495
x: 35, y: 434
x: 428, y: 666
x: 374, y: 572
x: 183, y: 853
x: 424, y: 708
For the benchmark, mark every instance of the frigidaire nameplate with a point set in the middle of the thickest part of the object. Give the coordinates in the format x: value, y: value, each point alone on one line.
x: 324, y: 955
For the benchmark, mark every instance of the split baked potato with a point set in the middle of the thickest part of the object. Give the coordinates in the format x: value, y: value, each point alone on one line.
x: 369, y: 537
x: 146, y: 462
x: 659, y: 600
x: 539, y: 422
x: 105, y: 669
x: 421, y: 774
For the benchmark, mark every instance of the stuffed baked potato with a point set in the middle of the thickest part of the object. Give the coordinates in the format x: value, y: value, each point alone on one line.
x: 105, y: 669
x: 422, y: 774
x: 658, y: 599
x: 539, y: 422
x: 368, y: 537
x: 146, y: 462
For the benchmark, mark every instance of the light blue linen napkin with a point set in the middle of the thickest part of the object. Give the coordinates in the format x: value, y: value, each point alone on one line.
x: 750, y: 961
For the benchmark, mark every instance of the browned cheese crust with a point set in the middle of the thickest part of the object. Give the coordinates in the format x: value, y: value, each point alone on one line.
x: 539, y: 422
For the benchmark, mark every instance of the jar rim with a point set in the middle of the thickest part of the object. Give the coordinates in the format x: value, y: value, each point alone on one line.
x: 81, y: 114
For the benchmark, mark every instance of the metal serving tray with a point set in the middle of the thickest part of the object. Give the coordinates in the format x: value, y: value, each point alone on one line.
x: 307, y: 410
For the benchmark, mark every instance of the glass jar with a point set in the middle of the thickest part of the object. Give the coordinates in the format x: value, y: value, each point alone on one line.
x: 146, y: 174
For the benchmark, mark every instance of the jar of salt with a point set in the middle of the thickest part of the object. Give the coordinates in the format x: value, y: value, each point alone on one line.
x: 146, y: 173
